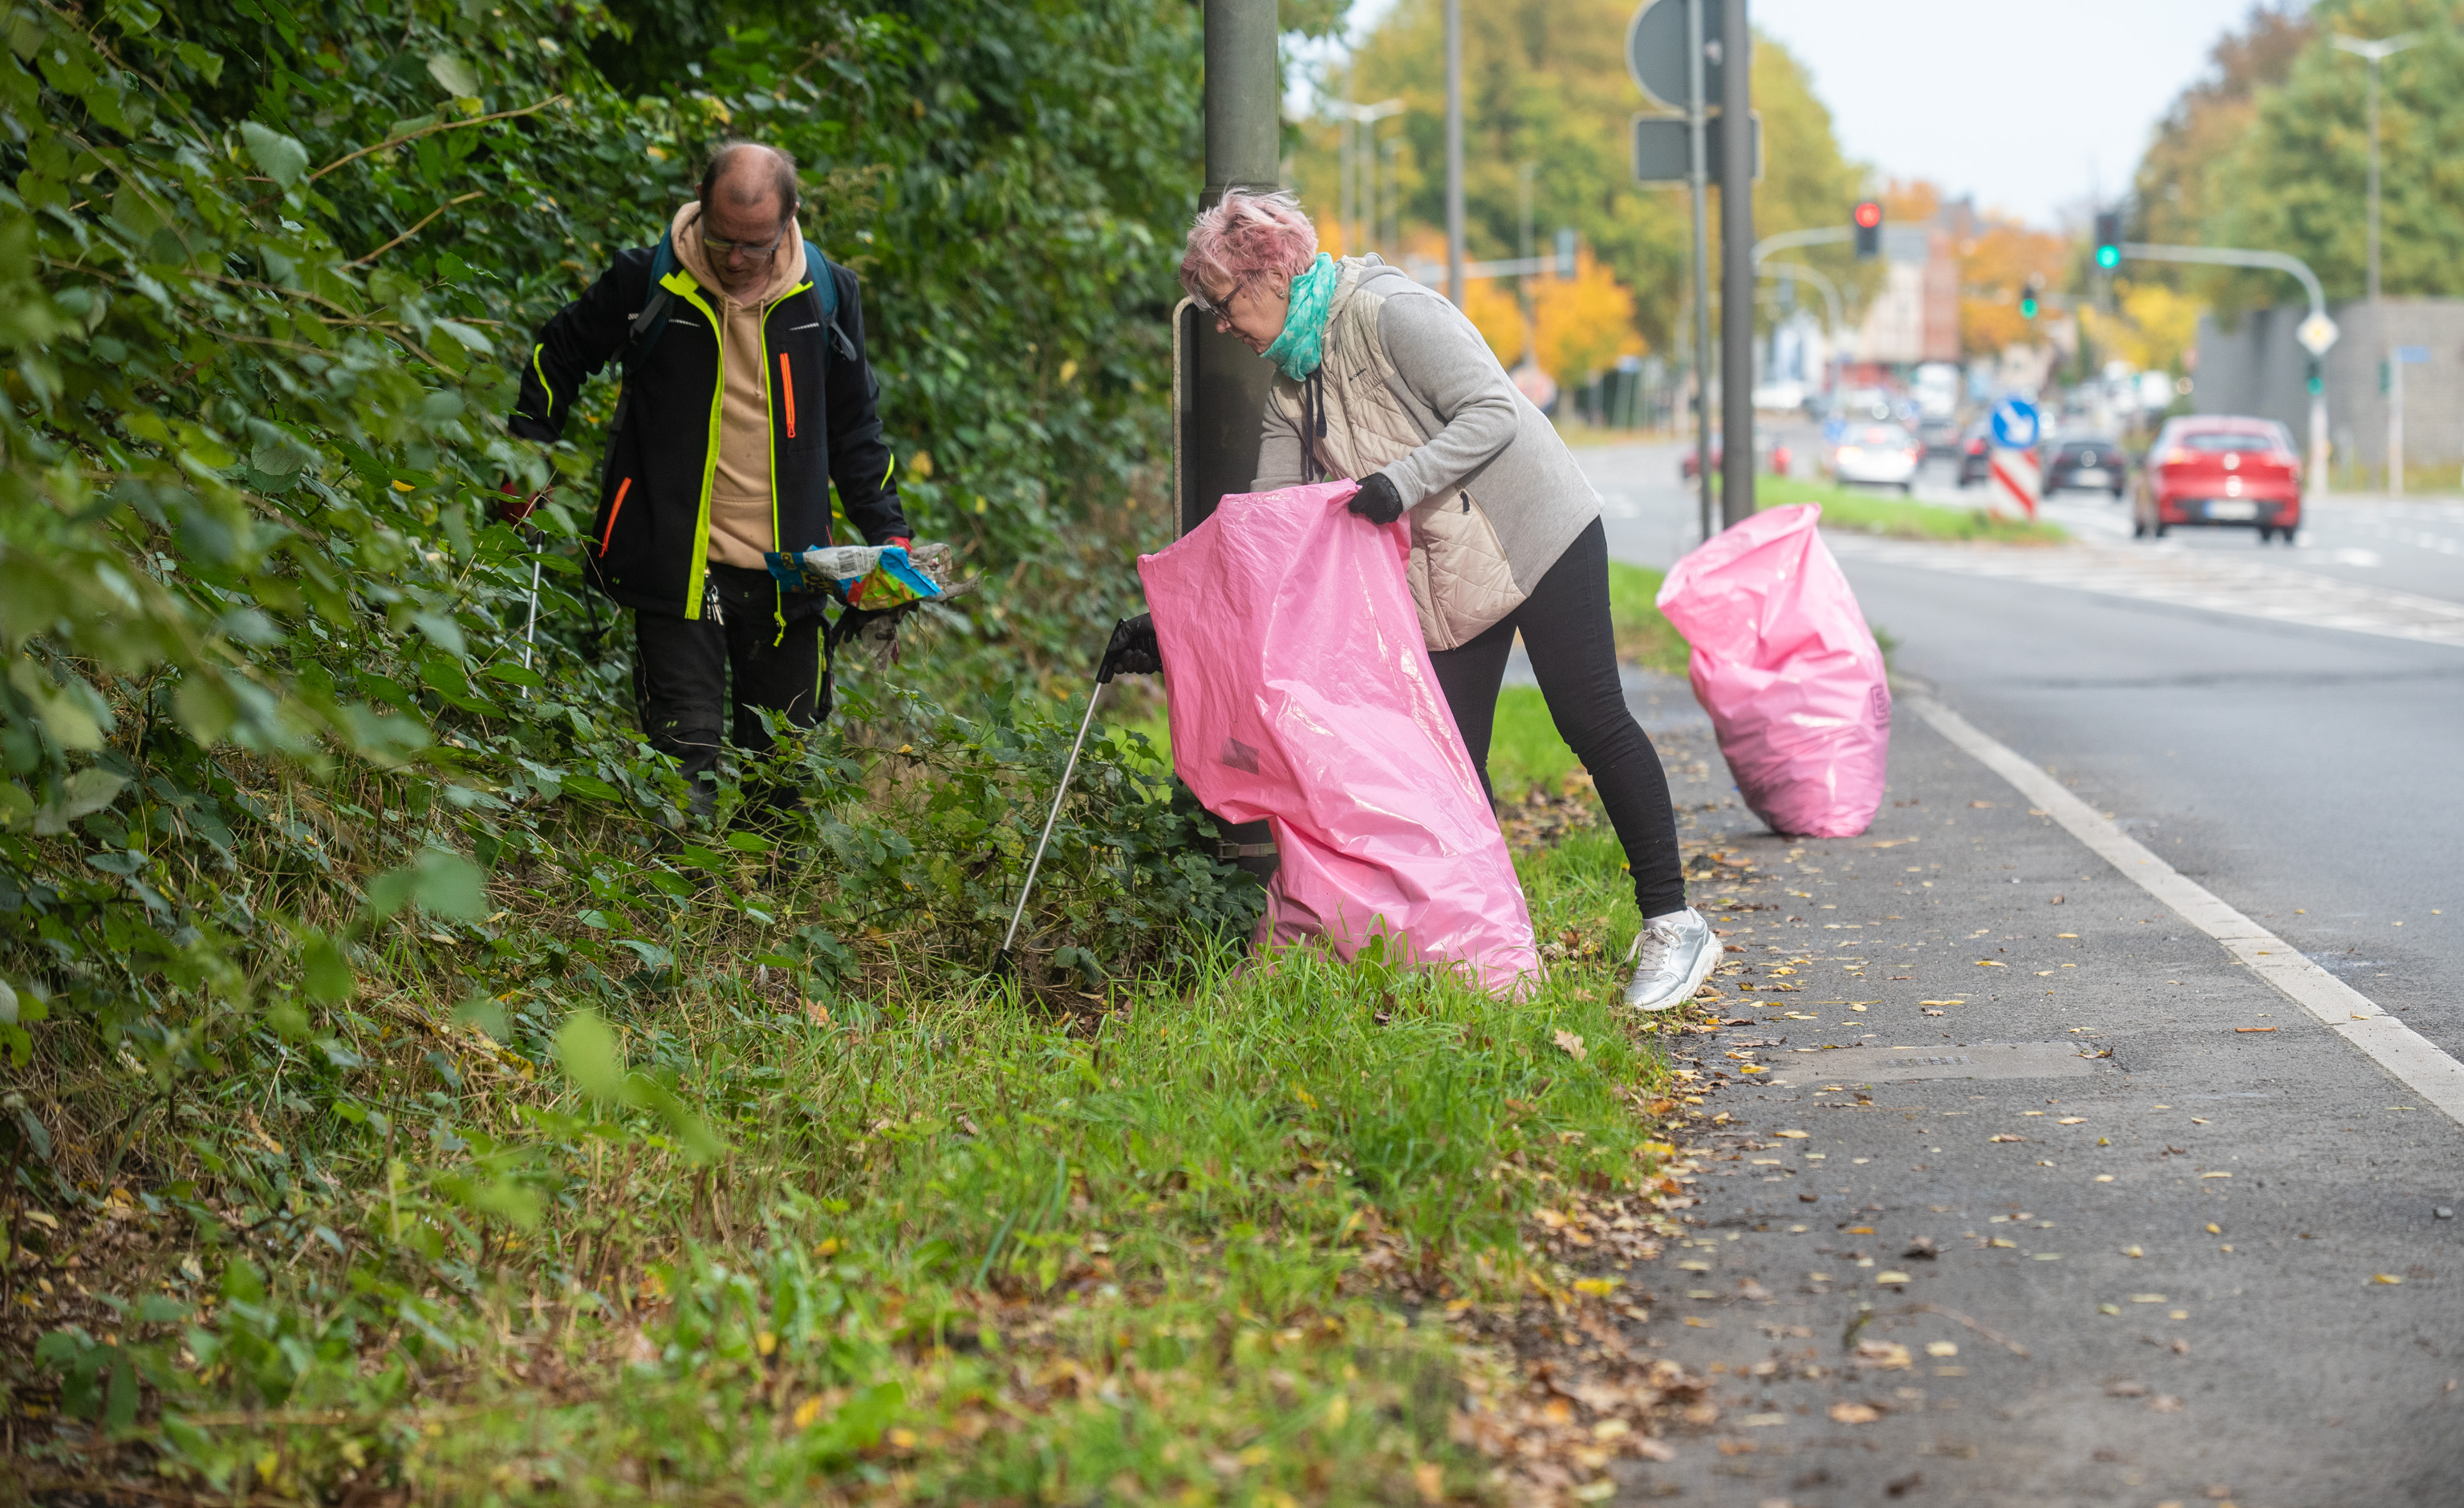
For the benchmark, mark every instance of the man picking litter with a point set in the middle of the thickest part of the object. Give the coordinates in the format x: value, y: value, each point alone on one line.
x: 746, y: 394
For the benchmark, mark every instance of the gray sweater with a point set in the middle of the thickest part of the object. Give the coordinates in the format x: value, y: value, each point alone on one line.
x: 1480, y: 431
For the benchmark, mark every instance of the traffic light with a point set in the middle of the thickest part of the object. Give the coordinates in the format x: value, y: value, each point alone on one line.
x: 1869, y: 230
x: 2028, y: 300
x: 2108, y: 239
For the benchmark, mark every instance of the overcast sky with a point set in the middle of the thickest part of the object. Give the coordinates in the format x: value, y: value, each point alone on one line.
x: 2033, y: 109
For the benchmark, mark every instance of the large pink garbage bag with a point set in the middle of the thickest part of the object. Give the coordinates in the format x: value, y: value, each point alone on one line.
x: 1790, y: 674
x: 1300, y: 693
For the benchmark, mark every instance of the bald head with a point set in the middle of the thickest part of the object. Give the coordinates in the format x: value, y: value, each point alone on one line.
x: 744, y: 178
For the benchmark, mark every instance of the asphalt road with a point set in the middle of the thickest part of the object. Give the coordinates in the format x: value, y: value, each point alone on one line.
x: 2300, y: 772
x: 2190, y: 1239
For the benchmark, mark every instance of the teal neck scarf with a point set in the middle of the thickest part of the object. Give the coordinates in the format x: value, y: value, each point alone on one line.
x: 1312, y: 294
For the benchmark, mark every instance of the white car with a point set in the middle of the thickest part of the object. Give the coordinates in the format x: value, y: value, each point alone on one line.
x: 1879, y: 455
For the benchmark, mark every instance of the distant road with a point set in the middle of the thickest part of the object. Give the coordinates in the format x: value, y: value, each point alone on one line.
x: 2304, y: 772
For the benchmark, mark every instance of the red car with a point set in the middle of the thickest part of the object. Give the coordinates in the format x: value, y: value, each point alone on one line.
x: 2212, y: 469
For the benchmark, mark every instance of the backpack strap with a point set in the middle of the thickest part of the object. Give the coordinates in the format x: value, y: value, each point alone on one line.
x: 825, y: 289
x: 652, y: 321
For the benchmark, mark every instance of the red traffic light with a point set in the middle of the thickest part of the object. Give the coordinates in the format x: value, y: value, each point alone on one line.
x: 1869, y: 214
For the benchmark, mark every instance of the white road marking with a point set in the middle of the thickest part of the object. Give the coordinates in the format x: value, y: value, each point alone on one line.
x: 2404, y: 1052
x: 2185, y: 578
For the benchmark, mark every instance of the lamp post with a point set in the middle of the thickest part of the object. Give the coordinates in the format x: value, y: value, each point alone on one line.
x: 2376, y: 52
x: 1358, y: 170
x: 1454, y: 153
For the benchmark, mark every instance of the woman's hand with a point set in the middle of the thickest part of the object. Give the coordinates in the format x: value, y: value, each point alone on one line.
x: 1133, y: 650
x: 1377, y: 500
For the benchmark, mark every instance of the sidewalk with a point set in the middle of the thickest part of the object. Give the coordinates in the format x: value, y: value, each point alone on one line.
x: 2013, y: 1188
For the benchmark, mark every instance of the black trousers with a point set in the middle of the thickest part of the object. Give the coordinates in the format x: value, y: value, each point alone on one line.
x: 682, y: 669
x: 1566, y: 628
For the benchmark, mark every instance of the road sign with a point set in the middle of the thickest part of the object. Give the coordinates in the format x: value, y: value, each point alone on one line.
x: 2316, y: 333
x: 1655, y: 52
x: 2015, y: 427
x: 1663, y: 149
x: 2015, y: 477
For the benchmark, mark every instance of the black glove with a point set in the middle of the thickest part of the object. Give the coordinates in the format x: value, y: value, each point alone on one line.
x: 1133, y: 650
x: 1377, y: 500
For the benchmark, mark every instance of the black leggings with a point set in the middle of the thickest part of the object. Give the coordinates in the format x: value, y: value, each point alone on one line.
x: 1565, y: 627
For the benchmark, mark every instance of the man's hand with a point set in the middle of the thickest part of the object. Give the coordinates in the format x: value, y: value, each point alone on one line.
x: 1133, y: 650
x: 1377, y: 500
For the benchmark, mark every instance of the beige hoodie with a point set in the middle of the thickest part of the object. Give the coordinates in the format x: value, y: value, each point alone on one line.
x: 739, y: 488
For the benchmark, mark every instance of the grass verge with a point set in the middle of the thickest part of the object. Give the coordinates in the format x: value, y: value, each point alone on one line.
x: 914, y: 1243
x: 1864, y: 512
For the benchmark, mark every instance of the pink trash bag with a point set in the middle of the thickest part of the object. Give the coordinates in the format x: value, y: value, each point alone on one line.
x: 1790, y: 674
x: 1300, y: 693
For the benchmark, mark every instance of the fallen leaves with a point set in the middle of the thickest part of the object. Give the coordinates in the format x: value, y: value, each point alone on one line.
x: 2000, y: 1137
x: 2253, y: 1028
x: 1883, y: 1354
x: 1845, y: 1412
x: 2389, y: 1279
x: 1793, y: 1136
x: 1569, y: 1044
x: 1987, y: 962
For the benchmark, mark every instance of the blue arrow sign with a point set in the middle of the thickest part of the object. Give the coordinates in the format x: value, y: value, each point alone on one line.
x: 2016, y: 425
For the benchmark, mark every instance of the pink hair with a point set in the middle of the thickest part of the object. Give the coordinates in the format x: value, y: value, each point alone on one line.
x: 1247, y: 236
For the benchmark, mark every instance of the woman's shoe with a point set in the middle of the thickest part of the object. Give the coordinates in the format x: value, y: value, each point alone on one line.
x: 1672, y: 955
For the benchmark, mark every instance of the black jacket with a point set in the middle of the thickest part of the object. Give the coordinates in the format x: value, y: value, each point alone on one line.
x: 650, y: 537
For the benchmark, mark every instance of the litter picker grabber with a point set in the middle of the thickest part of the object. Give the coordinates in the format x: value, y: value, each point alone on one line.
x: 1125, y: 653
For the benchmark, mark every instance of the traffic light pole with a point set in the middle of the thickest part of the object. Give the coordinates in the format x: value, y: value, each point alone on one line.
x: 1736, y: 267
x: 1699, y: 180
x: 1790, y: 240
x: 2272, y: 261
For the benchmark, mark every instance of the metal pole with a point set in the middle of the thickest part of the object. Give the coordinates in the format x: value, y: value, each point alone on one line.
x: 1364, y: 191
x: 1698, y: 180
x: 1218, y: 385
x: 1736, y: 266
x: 1394, y: 233
x: 1522, y: 280
x: 2395, y: 419
x: 1454, y: 153
x: 2374, y: 178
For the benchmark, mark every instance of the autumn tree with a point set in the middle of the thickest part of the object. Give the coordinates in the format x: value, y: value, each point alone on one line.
x: 1544, y: 83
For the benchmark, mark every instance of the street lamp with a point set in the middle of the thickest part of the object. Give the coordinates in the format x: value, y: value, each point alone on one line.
x: 2377, y: 52
x: 1357, y: 169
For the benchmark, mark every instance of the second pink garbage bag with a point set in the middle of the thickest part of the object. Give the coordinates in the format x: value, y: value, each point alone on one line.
x: 1790, y: 674
x: 1300, y: 693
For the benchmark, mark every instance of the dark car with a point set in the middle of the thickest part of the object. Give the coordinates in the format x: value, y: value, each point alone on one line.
x: 1937, y: 437
x: 2218, y: 470
x: 2089, y: 461
x: 1977, y: 453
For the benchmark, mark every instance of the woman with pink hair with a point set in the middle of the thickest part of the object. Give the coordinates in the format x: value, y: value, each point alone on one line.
x: 1383, y: 380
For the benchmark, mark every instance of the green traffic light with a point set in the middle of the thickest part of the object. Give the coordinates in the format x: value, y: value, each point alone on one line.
x: 2108, y: 257
x: 2028, y: 308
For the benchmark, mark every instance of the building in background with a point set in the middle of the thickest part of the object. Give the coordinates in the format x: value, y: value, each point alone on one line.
x: 1915, y: 317
x: 2257, y: 367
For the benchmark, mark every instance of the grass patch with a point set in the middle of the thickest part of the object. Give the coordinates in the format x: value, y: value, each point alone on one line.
x: 1864, y: 512
x: 919, y: 1241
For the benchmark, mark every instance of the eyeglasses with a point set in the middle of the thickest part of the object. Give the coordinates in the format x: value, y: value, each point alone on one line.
x: 724, y: 249
x: 1218, y: 308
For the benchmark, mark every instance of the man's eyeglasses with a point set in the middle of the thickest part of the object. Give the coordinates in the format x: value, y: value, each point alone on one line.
x: 724, y: 249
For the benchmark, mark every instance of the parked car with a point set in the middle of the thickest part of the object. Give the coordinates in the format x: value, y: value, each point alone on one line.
x: 1938, y: 437
x: 1687, y: 462
x: 1878, y: 454
x: 2217, y: 470
x: 2088, y: 461
x: 1976, y: 453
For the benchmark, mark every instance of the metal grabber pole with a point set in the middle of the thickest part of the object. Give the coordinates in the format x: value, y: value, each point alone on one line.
x: 1001, y: 960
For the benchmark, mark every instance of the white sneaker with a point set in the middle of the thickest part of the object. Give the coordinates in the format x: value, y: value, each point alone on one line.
x: 1672, y: 955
